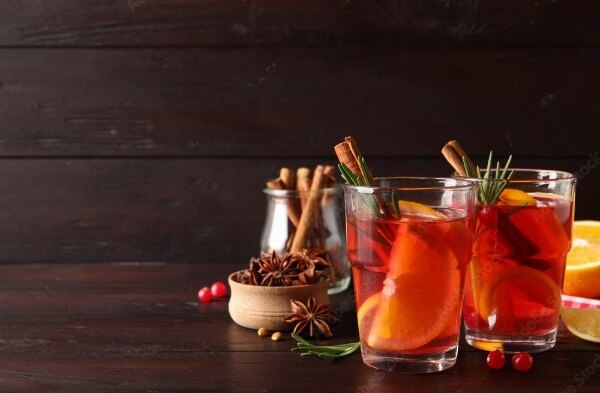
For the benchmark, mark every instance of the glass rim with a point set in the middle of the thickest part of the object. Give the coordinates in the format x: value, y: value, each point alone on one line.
x: 565, y: 176
x: 465, y: 184
x: 290, y: 193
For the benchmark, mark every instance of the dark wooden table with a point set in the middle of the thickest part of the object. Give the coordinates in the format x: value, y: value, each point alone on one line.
x: 139, y: 327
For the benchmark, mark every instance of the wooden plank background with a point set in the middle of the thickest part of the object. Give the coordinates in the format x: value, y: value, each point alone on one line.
x: 143, y: 130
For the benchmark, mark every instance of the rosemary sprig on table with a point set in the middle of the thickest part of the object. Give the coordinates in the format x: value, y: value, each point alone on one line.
x: 329, y: 352
x: 491, y: 187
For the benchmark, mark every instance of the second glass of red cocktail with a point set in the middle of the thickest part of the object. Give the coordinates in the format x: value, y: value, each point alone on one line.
x: 520, y: 244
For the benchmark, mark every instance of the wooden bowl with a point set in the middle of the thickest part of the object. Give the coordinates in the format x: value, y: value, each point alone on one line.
x: 253, y: 306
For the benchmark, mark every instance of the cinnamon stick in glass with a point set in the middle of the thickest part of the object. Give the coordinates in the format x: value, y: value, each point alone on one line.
x: 293, y: 213
x: 303, y: 184
x: 348, y: 153
x: 303, y: 231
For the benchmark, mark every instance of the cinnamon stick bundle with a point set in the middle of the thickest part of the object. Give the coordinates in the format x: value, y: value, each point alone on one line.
x: 305, y: 213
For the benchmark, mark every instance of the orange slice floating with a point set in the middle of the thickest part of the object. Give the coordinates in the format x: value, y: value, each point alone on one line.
x: 514, y: 197
x: 454, y: 233
x: 413, y: 310
x: 421, y: 291
x: 367, y: 306
x: 420, y: 294
x: 517, y: 288
x: 418, y: 209
x: 420, y: 250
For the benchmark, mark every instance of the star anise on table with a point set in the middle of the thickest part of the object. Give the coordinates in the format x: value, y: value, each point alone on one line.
x: 312, y: 316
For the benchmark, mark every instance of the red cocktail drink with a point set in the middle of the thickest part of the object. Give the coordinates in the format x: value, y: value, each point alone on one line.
x: 409, y: 271
x: 512, y: 293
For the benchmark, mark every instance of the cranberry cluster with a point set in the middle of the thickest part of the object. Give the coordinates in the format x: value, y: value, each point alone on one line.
x: 216, y: 291
x: 521, y: 361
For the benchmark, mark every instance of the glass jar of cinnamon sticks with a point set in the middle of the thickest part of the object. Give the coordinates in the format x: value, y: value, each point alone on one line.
x: 305, y: 211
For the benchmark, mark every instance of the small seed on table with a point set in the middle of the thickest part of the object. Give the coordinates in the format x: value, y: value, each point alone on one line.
x: 276, y: 336
x: 263, y: 332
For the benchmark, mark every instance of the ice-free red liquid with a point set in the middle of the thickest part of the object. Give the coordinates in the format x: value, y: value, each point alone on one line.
x: 408, y: 280
x: 514, y: 280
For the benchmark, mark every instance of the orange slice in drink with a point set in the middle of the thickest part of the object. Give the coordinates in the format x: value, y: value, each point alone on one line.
x: 582, y: 275
x: 518, y: 290
x: 455, y: 233
x: 419, y: 210
x: 366, y: 309
x: 514, y: 197
x: 420, y: 250
x: 413, y: 309
x: 419, y: 296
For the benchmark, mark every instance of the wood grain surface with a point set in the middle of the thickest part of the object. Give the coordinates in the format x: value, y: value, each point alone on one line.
x: 408, y: 23
x: 296, y: 101
x: 122, y: 210
x: 138, y: 327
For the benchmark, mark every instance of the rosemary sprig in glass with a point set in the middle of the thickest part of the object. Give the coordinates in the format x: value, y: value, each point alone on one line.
x: 362, y: 179
x: 329, y: 352
x: 491, y: 187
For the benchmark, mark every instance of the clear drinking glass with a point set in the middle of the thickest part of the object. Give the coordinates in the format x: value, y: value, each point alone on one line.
x: 326, y: 228
x: 409, y: 265
x: 520, y: 244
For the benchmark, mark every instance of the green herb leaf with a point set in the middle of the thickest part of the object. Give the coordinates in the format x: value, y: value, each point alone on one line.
x: 356, y: 180
x: 395, y: 204
x: 329, y: 352
x: 491, y: 187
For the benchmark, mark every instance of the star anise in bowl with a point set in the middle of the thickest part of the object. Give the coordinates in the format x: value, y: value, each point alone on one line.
x: 312, y: 317
x: 272, y: 269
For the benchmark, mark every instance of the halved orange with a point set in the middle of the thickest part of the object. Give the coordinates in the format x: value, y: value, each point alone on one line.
x: 582, y: 322
x: 582, y: 275
x: 518, y: 289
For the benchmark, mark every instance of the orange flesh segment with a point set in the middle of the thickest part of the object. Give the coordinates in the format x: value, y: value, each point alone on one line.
x: 413, y: 310
x: 582, y: 275
x: 420, y: 294
x: 456, y: 233
x: 545, y: 232
x: 418, y: 209
x: 367, y: 306
x: 516, y: 284
x: 514, y: 197
x: 419, y: 250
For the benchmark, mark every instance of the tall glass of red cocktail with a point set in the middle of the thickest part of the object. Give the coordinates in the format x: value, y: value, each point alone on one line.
x: 409, y: 242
